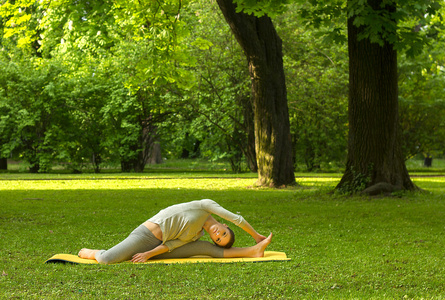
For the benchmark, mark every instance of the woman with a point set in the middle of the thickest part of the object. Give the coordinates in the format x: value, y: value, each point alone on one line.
x: 176, y: 230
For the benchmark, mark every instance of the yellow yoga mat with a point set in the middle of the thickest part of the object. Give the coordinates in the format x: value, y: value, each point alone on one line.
x: 268, y: 256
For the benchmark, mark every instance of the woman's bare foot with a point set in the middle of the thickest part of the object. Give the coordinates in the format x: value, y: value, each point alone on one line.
x: 258, y: 249
x: 87, y: 253
x: 254, y: 251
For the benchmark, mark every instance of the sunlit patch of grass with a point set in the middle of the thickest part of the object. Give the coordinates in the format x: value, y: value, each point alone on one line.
x: 341, y: 247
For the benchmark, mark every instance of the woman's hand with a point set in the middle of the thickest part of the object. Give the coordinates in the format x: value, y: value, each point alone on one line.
x: 140, y: 257
x: 143, y: 257
x: 259, y: 238
x: 253, y: 233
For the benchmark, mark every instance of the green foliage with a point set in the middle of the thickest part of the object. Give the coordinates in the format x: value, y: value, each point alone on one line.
x: 212, y: 115
x: 357, y: 184
x: 421, y: 86
x: 404, y: 24
x: 99, y: 82
x: 33, y: 103
x: 118, y: 67
x: 328, y: 19
x: 261, y: 8
x: 317, y: 85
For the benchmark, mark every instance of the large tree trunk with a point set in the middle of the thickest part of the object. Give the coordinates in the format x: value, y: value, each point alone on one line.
x: 262, y: 46
x: 155, y: 156
x: 249, y: 126
x: 375, y: 162
x: 3, y: 163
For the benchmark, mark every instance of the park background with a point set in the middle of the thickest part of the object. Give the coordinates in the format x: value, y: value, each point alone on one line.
x: 94, y: 86
x: 112, y: 111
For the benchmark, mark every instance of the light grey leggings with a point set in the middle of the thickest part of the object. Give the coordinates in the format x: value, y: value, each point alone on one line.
x: 142, y: 240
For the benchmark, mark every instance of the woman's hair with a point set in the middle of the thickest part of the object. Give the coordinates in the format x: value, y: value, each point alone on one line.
x: 231, y: 241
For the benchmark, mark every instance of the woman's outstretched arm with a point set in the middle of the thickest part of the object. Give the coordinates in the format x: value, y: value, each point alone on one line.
x: 214, y: 208
x: 250, y: 230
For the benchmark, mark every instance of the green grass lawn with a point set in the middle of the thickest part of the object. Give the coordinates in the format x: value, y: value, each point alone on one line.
x: 341, y: 247
x: 203, y: 167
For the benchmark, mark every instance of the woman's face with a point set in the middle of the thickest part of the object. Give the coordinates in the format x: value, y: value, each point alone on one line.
x: 219, y: 234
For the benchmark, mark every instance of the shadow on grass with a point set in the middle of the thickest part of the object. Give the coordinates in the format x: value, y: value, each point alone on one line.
x: 341, y: 247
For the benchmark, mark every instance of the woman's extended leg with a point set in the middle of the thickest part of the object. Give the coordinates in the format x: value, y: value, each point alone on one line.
x: 140, y: 240
x: 254, y: 251
x: 208, y: 249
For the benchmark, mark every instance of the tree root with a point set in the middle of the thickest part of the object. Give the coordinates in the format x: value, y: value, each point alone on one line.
x: 381, y: 188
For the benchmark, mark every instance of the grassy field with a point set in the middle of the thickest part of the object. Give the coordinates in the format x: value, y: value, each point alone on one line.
x: 341, y: 247
x: 202, y: 166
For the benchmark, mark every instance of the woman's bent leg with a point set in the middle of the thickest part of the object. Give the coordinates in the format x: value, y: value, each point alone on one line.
x: 194, y: 249
x: 140, y: 240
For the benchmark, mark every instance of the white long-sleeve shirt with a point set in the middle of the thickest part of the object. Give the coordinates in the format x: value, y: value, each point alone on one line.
x: 182, y: 223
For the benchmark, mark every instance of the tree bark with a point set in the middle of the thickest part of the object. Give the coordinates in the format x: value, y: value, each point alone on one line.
x: 263, y: 49
x: 249, y: 126
x: 149, y: 146
x: 155, y: 156
x: 3, y: 163
x: 375, y: 161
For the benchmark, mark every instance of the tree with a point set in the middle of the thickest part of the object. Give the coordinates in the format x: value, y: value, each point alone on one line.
x: 5, y: 127
x: 317, y: 88
x: 374, y: 150
x: 220, y: 102
x: 421, y: 86
x: 422, y: 107
x: 129, y: 64
x: 263, y: 49
x: 376, y: 31
x: 375, y: 161
x: 33, y: 108
x: 88, y: 26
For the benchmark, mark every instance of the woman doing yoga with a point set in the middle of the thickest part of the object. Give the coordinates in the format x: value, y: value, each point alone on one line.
x: 175, y: 231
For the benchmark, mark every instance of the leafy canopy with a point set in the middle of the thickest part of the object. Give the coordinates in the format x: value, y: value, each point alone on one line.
x: 401, y: 23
